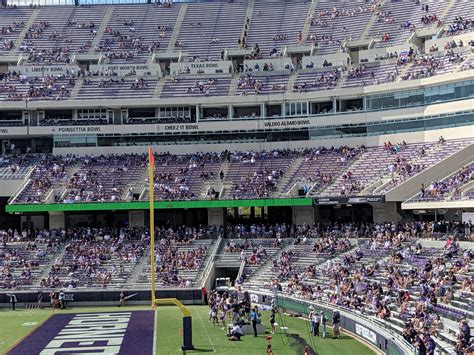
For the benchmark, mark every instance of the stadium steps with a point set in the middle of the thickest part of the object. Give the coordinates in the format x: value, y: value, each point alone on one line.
x: 307, y: 23
x: 63, y: 186
x: 437, y: 171
x: 373, y: 18
x: 101, y: 30
x: 77, y: 87
x: 288, y: 175
x: 291, y: 81
x: 23, y: 32
x: 263, y: 275
x: 447, y: 9
x: 159, y: 87
x: 177, y: 27
x: 467, y: 187
x: 402, y: 70
x: 233, y: 86
x: 139, y: 267
x: 354, y: 163
x: 379, y: 185
x: 207, y: 263
x: 47, y: 267
x: 217, y: 184
x: 248, y: 15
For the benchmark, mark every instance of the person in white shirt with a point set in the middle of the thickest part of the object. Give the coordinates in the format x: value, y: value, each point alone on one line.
x: 235, y: 333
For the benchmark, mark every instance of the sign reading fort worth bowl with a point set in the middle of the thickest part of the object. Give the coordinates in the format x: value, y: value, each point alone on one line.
x: 126, y: 69
x: 84, y: 333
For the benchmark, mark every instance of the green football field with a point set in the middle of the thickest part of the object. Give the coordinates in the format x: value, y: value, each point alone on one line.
x: 206, y: 338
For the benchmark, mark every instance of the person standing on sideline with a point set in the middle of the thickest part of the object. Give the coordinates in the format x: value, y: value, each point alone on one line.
x: 222, y: 316
x: 323, y: 323
x: 204, y: 294
x: 254, y: 317
x: 122, y: 299
x: 13, y: 300
x: 314, y: 317
x: 336, y: 320
x: 272, y: 320
x: 40, y: 299
x: 62, y: 300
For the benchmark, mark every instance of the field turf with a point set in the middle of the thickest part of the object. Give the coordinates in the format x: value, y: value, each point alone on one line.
x: 206, y: 338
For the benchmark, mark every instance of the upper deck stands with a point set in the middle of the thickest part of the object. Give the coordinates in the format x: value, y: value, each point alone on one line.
x: 459, y: 18
x: 117, y: 88
x: 365, y: 75
x: 135, y: 31
x: 275, y: 25
x: 333, y: 24
x: 60, y: 31
x: 12, y: 22
x: 398, y: 18
x: 209, y: 28
x: 189, y: 87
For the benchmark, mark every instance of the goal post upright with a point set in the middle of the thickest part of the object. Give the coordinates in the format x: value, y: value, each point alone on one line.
x: 151, y: 177
x: 187, y: 321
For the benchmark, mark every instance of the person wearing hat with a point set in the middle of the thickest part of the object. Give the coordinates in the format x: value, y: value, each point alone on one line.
x: 314, y: 317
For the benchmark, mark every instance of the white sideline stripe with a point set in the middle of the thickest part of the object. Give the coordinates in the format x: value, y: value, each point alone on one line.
x: 154, y: 332
x: 207, y: 333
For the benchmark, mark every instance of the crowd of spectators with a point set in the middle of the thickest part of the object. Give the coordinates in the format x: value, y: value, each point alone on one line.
x: 326, y: 80
x: 176, y: 253
x: 388, y: 273
x: 92, y: 182
x: 18, y: 86
x: 137, y: 84
x: 49, y: 170
x: 8, y: 44
x: 93, y: 257
x: 22, y: 254
x: 452, y: 185
x: 249, y: 84
x: 459, y: 25
x: 176, y: 183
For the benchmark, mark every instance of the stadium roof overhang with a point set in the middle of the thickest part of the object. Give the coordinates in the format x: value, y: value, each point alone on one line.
x: 142, y: 205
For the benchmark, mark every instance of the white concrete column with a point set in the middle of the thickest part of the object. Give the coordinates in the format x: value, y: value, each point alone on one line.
x: 215, y: 216
x: 385, y: 212
x: 57, y: 220
x: 303, y: 214
x: 136, y: 218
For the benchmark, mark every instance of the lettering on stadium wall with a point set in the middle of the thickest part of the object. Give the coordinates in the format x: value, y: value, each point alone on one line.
x: 124, y: 69
x: 286, y: 123
x: 43, y: 69
x: 177, y: 127
x: 65, y: 130
x: 223, y: 66
x: 366, y: 333
x: 348, y: 200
